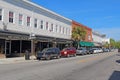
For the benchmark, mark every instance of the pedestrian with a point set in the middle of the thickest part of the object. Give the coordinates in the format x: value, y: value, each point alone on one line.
x: 27, y: 55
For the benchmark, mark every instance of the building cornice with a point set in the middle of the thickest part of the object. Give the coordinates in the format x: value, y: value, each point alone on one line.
x: 81, y: 25
x: 38, y: 6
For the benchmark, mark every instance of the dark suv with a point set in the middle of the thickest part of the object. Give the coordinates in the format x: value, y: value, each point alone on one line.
x: 48, y: 53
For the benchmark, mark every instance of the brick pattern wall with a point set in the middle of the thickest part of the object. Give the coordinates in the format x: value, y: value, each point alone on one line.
x: 88, y: 37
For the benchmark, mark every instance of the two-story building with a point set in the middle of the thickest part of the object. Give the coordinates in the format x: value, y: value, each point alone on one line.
x: 24, y: 24
x: 99, y: 39
x: 88, y: 38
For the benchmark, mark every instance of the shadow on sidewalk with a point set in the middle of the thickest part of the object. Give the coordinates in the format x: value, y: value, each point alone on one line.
x: 115, y: 76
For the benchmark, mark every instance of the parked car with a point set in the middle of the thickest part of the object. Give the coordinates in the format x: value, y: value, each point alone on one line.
x: 67, y: 52
x: 106, y: 50
x: 49, y: 53
x: 94, y: 50
x: 99, y: 50
x: 81, y: 51
x: 89, y: 51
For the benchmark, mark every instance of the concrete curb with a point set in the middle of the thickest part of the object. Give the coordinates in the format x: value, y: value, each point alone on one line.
x: 16, y: 60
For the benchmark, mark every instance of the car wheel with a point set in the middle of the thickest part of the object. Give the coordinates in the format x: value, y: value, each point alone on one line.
x: 39, y: 58
x: 74, y: 55
x: 58, y: 57
x: 48, y: 57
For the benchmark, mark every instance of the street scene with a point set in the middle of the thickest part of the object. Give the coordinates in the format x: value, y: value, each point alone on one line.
x: 59, y: 40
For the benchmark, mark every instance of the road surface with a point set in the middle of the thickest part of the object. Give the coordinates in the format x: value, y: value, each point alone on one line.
x: 103, y: 66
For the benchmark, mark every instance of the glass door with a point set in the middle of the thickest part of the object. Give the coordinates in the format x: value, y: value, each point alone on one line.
x: 7, y: 48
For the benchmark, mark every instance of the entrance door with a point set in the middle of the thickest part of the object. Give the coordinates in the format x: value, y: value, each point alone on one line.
x: 8, y: 48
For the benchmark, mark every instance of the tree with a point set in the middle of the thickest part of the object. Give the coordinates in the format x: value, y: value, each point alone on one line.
x: 78, y: 34
x: 112, y: 42
x: 117, y: 45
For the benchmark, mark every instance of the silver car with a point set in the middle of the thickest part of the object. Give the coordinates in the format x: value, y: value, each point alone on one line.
x: 81, y: 51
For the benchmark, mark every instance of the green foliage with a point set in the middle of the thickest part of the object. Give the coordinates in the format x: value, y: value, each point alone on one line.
x: 117, y: 45
x: 78, y: 34
x: 112, y: 42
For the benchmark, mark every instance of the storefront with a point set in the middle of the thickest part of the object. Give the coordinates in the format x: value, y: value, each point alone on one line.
x: 14, y: 45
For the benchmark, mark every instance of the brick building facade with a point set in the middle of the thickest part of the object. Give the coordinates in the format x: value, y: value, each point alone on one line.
x: 88, y: 37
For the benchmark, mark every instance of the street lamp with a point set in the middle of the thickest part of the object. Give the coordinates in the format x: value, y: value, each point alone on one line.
x: 32, y: 38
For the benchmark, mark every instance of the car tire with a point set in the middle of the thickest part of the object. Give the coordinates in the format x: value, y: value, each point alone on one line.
x: 48, y: 57
x: 39, y: 59
x: 58, y: 57
x: 74, y: 55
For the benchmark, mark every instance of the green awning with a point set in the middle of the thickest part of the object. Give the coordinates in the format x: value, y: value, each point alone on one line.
x: 89, y: 44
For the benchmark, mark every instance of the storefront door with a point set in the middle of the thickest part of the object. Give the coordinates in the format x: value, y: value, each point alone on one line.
x: 7, y: 48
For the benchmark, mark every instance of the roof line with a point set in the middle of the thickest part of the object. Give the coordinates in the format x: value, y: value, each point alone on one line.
x: 46, y: 9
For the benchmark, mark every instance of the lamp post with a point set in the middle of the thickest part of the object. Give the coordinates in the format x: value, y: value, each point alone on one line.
x: 32, y: 38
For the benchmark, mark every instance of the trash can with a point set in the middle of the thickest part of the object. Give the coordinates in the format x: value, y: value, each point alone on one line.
x: 27, y: 55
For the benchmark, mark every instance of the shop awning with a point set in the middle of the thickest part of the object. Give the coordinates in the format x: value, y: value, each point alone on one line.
x: 89, y: 44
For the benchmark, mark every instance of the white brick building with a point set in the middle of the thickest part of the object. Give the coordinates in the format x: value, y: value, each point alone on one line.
x: 21, y: 19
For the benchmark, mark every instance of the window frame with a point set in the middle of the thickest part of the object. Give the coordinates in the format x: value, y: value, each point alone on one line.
x: 28, y: 21
x: 20, y: 19
x: 35, y: 22
x: 11, y: 17
x: 1, y: 14
x: 41, y: 24
x: 47, y: 26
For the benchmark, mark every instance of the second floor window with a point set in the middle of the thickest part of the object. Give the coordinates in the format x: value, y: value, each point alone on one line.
x: 28, y: 21
x: 89, y: 38
x: 51, y: 27
x: 11, y: 16
x: 20, y: 19
x: 41, y: 25
x: 0, y: 14
x: 46, y: 25
x: 35, y: 23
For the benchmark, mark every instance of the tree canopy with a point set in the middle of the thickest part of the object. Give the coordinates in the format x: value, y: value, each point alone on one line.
x: 78, y: 34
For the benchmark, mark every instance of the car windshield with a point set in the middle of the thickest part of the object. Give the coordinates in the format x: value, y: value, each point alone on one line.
x: 46, y: 49
x: 80, y: 49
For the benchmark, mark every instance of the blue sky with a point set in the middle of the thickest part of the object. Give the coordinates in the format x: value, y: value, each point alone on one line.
x: 100, y: 15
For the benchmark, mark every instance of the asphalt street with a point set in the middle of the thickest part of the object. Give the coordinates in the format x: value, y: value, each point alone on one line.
x: 103, y: 66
